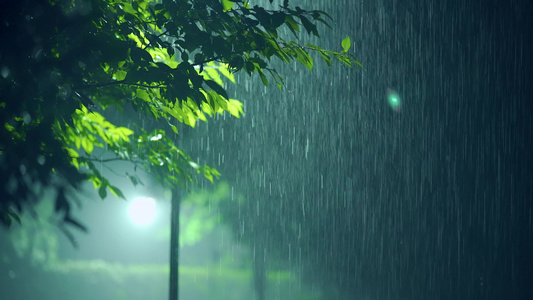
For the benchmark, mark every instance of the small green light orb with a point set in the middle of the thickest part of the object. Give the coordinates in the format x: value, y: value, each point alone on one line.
x: 394, y: 99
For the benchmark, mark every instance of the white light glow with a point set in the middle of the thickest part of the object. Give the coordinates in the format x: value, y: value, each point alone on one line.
x: 142, y: 211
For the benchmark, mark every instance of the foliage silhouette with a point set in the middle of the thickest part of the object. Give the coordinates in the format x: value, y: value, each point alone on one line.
x: 65, y: 64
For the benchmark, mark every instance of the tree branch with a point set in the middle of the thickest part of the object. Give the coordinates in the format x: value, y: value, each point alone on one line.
x: 150, y: 42
x: 119, y: 82
x: 108, y: 159
x: 207, y: 60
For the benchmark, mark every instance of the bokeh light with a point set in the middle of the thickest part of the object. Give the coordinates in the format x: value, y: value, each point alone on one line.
x: 394, y: 99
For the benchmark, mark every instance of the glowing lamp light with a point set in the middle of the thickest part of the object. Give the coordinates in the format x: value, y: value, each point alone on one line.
x: 394, y: 100
x: 142, y: 211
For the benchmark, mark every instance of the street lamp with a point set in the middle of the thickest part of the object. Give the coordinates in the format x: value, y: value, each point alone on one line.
x: 142, y: 211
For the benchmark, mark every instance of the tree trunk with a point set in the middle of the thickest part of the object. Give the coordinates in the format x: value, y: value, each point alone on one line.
x: 174, y: 245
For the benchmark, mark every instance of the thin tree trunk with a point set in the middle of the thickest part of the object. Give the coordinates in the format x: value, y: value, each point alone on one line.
x: 259, y: 271
x: 174, y: 245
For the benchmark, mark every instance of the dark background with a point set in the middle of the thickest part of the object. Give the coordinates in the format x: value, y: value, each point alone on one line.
x: 429, y: 202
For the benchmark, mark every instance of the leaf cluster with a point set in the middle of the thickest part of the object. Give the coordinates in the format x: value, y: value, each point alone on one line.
x: 64, y: 64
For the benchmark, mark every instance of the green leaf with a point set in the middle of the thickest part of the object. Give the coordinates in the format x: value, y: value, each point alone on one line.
x: 346, y: 43
x: 75, y: 223
x: 102, y: 192
x: 223, y: 69
x: 174, y: 128
x: 304, y: 58
x: 227, y: 5
x: 170, y: 51
x: 116, y: 191
x: 293, y: 26
x: 6, y: 219
x: 217, y: 88
x: 87, y: 145
x: 213, y: 74
x: 277, y: 78
x: 138, y: 55
x: 175, y: 112
x: 326, y: 58
x: 235, y: 107
x: 278, y: 19
x: 133, y: 180
x: 73, y: 153
x: 263, y: 77
x: 16, y: 217
x: 142, y: 94
x: 309, y: 27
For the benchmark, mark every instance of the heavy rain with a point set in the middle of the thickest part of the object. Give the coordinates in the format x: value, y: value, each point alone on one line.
x: 406, y: 178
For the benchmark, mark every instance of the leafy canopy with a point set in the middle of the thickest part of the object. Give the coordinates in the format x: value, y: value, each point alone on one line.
x: 66, y: 65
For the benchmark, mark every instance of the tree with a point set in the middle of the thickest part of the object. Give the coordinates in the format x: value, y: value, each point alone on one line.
x: 73, y: 73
